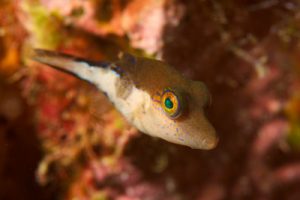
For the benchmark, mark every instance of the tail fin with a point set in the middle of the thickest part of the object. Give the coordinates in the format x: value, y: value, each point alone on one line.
x: 75, y: 66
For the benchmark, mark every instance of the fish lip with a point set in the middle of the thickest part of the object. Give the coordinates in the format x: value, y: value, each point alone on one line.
x: 211, y: 144
x: 206, y: 143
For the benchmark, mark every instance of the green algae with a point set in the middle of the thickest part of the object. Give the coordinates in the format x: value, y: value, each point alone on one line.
x: 294, y: 136
x: 45, y: 26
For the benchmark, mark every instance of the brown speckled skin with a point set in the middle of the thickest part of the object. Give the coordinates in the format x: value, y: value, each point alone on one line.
x: 154, y: 76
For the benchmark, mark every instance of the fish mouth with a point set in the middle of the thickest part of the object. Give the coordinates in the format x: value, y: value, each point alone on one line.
x: 205, y: 137
x: 209, y: 144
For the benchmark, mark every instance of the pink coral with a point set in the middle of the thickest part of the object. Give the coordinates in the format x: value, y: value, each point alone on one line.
x: 247, y: 53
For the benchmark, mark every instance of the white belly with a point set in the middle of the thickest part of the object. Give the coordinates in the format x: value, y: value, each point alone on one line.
x: 133, y: 106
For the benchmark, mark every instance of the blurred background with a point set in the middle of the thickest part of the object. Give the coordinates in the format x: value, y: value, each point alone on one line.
x: 61, y: 139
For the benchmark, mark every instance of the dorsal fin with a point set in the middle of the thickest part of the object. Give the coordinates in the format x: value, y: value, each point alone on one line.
x: 127, y: 57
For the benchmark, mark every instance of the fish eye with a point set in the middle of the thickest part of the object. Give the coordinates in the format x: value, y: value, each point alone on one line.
x: 172, y: 103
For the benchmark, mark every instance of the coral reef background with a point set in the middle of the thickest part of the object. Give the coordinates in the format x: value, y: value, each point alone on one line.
x: 61, y: 139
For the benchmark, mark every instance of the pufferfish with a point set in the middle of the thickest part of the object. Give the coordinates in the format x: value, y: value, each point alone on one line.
x: 150, y: 94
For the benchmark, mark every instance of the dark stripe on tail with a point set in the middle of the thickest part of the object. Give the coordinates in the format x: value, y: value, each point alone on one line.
x: 42, y: 52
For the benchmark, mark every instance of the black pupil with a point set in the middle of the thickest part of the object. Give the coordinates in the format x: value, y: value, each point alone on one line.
x: 168, y: 103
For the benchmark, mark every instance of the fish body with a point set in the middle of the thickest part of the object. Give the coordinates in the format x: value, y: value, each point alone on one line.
x: 152, y: 96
